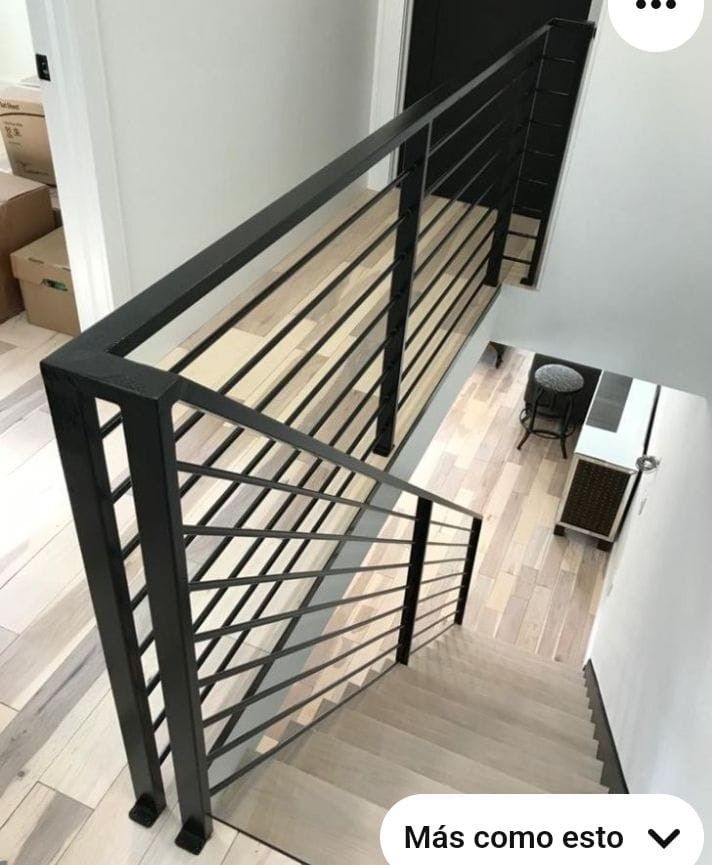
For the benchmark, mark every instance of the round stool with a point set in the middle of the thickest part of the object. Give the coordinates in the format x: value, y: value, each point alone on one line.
x: 556, y: 386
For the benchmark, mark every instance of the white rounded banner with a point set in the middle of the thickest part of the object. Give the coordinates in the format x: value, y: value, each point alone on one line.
x: 656, y: 25
x: 500, y: 829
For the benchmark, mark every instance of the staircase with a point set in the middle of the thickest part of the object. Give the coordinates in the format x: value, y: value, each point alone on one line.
x: 467, y: 715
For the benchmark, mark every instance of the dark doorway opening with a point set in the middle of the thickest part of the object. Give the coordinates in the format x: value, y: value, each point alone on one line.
x: 453, y: 40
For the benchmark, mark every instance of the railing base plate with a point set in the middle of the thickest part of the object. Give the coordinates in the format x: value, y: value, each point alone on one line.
x: 382, y: 451
x: 145, y: 812
x: 190, y: 839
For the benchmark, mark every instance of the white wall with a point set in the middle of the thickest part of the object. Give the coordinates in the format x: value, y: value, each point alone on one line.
x: 195, y: 116
x: 651, y: 647
x: 626, y: 277
x: 389, y: 68
x: 17, y: 57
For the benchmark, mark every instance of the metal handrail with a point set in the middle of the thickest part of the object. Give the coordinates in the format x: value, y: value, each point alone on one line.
x: 141, y: 317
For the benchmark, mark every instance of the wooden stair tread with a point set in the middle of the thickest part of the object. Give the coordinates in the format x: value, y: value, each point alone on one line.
x: 558, y: 772
x: 481, y: 715
x: 492, y: 662
x: 303, y: 815
x: 474, y: 643
x: 499, y: 701
x: 356, y: 770
x: 399, y: 746
x: 436, y: 664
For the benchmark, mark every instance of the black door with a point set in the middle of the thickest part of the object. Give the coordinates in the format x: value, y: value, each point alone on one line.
x: 453, y: 40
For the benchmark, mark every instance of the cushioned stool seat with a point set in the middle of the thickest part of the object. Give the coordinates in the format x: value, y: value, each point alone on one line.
x: 559, y: 378
x: 556, y: 385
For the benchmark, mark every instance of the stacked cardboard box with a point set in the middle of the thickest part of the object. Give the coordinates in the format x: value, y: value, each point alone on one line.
x: 34, y: 268
x: 25, y: 215
x: 42, y: 267
x: 24, y: 131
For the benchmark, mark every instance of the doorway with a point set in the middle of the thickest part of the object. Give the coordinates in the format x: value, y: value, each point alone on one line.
x: 454, y: 40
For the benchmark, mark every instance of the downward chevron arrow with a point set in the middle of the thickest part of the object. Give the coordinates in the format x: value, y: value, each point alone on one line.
x: 664, y: 842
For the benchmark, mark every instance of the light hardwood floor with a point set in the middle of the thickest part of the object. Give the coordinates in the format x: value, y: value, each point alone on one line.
x: 64, y: 787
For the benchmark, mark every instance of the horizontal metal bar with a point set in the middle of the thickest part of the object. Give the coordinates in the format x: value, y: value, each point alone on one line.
x: 449, y: 526
x: 522, y: 234
x: 432, y: 597
x: 252, y: 480
x: 520, y: 208
x: 140, y: 595
x: 241, y: 415
x: 229, y: 672
x: 552, y: 59
x: 273, y: 534
x: 130, y: 546
x: 547, y: 124
x: 285, y: 713
x: 457, y: 195
x: 534, y: 181
x: 211, y: 585
x: 438, y: 580
x: 110, y: 425
x: 291, y: 614
x: 436, y: 636
x: 438, y: 182
x: 517, y: 260
x: 533, y: 151
x: 441, y: 142
x: 435, y: 610
x: 267, y: 755
x: 547, y: 92
x: 293, y: 680
x: 120, y: 491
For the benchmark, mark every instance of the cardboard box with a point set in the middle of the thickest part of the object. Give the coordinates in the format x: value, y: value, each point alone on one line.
x: 56, y: 207
x: 46, y: 283
x: 25, y: 215
x: 24, y: 132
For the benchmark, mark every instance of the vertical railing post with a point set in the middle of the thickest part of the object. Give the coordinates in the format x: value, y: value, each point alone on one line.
x: 421, y: 529
x: 77, y: 431
x: 152, y: 460
x: 506, y: 189
x: 468, y: 570
x: 588, y: 29
x: 415, y: 155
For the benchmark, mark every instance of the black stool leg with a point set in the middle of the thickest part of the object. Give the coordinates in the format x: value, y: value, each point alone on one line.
x: 499, y: 349
x: 565, y: 419
x: 532, y: 418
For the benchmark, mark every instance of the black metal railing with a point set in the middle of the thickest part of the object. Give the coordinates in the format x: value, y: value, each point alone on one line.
x: 246, y: 509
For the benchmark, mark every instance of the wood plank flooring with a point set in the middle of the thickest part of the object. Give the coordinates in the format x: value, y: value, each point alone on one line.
x: 60, y: 751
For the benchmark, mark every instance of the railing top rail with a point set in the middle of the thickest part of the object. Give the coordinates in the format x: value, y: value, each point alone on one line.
x: 204, y: 399
x: 135, y: 321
